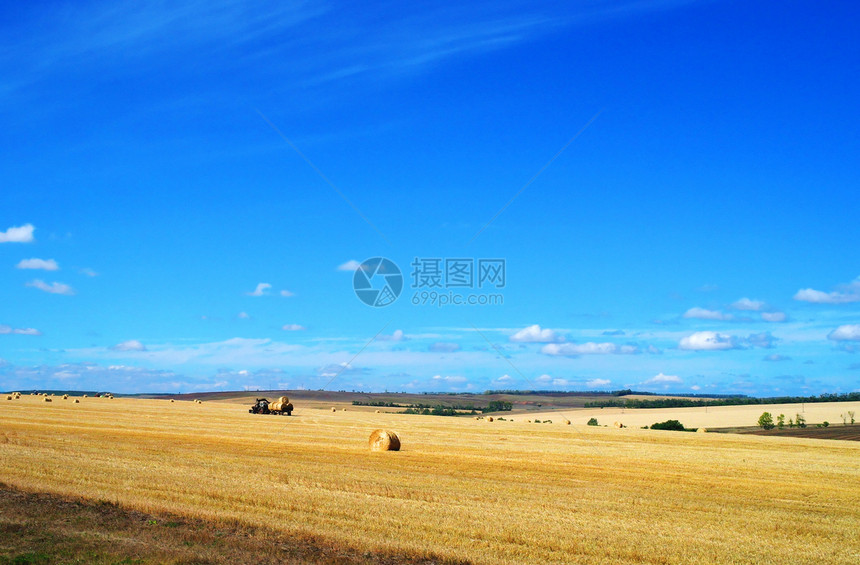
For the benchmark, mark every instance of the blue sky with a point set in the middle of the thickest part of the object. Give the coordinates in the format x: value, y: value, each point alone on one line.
x: 185, y: 193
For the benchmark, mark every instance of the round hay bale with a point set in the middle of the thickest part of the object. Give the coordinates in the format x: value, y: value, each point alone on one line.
x: 65, y: 397
x: 377, y: 411
x: 566, y: 422
x: 617, y: 425
x: 77, y: 401
x: 8, y: 398
x: 171, y: 400
x: 284, y: 400
x: 702, y: 430
x: 48, y: 399
x: 85, y: 396
x: 343, y: 409
x: 489, y: 418
x: 333, y: 409
x: 384, y: 440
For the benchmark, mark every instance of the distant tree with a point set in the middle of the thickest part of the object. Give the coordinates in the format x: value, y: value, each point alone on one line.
x: 593, y: 422
x: 800, y: 421
x: 766, y: 421
x: 851, y: 416
x: 780, y: 421
x: 668, y: 425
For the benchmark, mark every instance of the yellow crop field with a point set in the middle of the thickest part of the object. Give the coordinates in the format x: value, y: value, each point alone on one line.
x: 459, y: 489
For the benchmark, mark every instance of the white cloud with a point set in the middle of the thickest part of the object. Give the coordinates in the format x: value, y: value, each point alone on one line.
x: 847, y: 293
x: 5, y: 330
x: 504, y: 379
x: 747, y: 304
x: 704, y: 314
x: 450, y: 379
x: 130, y: 345
x: 534, y: 334
x: 707, y: 341
x: 351, y: 265
x: 260, y: 290
x: 21, y: 234
x: 775, y: 357
x: 53, y: 288
x: 848, y: 332
x: 696, y: 387
x: 243, y: 316
x: 397, y: 335
x: 44, y: 264
x: 773, y: 316
x: 292, y: 328
x: 660, y: 378
x: 88, y: 272
x: 544, y: 379
x: 589, y: 348
x: 286, y: 293
x: 598, y: 383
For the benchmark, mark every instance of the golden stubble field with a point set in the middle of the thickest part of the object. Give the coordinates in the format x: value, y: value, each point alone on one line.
x: 498, y: 492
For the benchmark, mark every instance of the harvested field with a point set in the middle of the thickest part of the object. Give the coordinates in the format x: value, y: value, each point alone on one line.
x: 458, y: 489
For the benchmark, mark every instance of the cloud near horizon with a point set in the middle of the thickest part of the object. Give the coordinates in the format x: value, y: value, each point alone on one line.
x: 130, y: 345
x: 588, y: 348
x: 847, y: 293
x: 534, y: 334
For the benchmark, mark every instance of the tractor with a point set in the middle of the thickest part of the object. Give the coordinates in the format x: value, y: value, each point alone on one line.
x: 278, y: 407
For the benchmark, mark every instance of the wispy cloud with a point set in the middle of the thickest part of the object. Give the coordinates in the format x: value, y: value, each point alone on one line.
x: 43, y: 264
x: 53, y: 288
x: 20, y: 234
x: 351, y: 265
x: 6, y: 330
x: 589, y: 348
x: 261, y: 290
x: 661, y: 379
x: 292, y: 328
x: 130, y: 345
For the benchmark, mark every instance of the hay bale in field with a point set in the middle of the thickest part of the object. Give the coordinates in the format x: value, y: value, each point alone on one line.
x: 65, y: 397
x: 384, y: 440
x: 377, y: 411
x: 489, y: 418
x: 333, y: 409
x: 85, y: 396
x: 77, y: 401
x: 171, y: 400
x: 617, y: 425
x: 702, y: 430
x: 48, y: 399
x: 9, y: 397
x: 283, y: 400
x: 343, y: 409
x: 566, y: 422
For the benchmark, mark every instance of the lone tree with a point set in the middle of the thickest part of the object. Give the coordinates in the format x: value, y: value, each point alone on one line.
x: 593, y: 422
x: 851, y: 416
x: 780, y: 421
x: 800, y: 421
x: 766, y: 421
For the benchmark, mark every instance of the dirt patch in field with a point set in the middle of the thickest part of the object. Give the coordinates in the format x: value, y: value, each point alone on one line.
x: 40, y: 528
x: 849, y: 433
